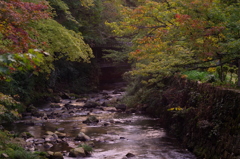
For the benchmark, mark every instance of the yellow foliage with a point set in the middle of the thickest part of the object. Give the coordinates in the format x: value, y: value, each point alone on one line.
x: 175, y: 109
x: 212, y: 69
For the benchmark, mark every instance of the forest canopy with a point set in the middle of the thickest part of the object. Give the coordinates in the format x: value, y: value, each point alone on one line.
x: 29, y: 25
x: 173, y: 36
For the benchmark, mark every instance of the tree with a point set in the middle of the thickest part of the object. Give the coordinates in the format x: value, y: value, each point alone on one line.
x: 31, y: 42
x: 14, y: 24
x: 170, y: 36
x: 60, y: 42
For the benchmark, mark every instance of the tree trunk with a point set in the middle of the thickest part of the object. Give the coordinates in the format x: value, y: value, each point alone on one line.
x: 238, y: 73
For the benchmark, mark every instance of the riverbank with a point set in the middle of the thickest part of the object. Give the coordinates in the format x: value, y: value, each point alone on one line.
x: 205, y: 118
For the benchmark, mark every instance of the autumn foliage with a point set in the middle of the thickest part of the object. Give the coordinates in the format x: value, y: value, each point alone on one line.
x: 174, y: 35
x: 14, y: 24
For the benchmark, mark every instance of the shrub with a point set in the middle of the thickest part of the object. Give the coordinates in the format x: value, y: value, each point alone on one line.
x: 202, y: 76
x: 13, y: 150
x: 87, y: 148
x: 9, y: 108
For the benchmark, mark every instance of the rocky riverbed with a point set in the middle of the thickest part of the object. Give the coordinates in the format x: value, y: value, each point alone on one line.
x: 95, y: 126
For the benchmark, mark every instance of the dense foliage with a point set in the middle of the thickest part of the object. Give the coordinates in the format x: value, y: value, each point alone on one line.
x: 173, y: 35
x: 32, y: 44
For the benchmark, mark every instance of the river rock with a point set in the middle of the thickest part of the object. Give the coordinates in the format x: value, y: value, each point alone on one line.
x: 39, y: 141
x: 107, y: 97
x: 55, y: 136
x: 38, y: 114
x: 48, y: 145
x: 31, y: 140
x: 96, y: 111
x: 82, y: 100
x: 30, y: 148
x: 82, y: 137
x: 55, y: 105
x: 104, y: 93
x: 91, y: 104
x: 58, y: 155
x: 26, y: 135
x: 64, y: 115
x: 106, y: 104
x: 77, y: 152
x: 106, y: 124
x: 60, y: 129
x: 50, y: 153
x: 31, y: 108
x: 49, y: 133
x: 65, y: 96
x: 110, y: 109
x: 55, y: 155
x: 91, y: 120
x: 49, y: 138
x: 121, y: 107
x: 82, y: 113
x: 68, y: 106
x: 60, y: 135
x: 129, y: 155
x: 51, y: 116
x: 56, y: 99
x: 116, y: 92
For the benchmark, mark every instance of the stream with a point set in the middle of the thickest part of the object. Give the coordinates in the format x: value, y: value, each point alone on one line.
x: 115, y: 135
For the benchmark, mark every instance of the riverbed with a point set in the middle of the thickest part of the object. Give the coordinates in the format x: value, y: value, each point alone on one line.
x: 116, y: 135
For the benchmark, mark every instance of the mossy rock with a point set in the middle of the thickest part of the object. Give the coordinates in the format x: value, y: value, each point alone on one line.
x: 91, y: 119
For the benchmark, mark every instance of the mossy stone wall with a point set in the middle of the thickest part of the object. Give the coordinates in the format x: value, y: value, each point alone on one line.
x: 209, y: 121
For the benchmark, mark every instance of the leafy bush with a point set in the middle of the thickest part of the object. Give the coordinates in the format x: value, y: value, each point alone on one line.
x: 13, y: 150
x: 202, y: 76
x: 9, y: 108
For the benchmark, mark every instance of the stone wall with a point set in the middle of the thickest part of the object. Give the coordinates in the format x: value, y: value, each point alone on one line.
x: 204, y: 117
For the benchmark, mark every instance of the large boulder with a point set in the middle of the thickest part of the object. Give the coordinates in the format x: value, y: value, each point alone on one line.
x: 82, y: 137
x: 77, y: 152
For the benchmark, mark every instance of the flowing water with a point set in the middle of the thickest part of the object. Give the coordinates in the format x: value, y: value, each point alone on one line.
x: 116, y: 135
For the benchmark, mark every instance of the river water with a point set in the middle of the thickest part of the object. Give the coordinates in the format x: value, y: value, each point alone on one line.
x: 139, y: 135
x: 116, y: 135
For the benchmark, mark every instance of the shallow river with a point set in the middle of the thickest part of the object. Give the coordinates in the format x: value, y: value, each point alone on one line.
x: 138, y: 135
x: 116, y: 135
